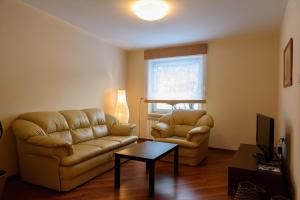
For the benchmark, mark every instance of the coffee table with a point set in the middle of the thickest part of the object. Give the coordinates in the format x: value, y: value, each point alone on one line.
x: 147, y: 152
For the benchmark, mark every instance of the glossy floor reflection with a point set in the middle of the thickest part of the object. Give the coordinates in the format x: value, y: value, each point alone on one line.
x: 207, y: 181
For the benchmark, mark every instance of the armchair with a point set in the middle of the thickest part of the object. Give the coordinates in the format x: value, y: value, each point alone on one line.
x: 189, y: 129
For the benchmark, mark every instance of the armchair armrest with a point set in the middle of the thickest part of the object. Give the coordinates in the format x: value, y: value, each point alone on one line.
x: 197, y: 132
x: 161, y: 129
x: 123, y: 129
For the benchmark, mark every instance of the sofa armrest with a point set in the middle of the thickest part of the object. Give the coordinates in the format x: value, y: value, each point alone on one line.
x: 31, y: 133
x: 197, y: 132
x: 123, y: 129
x: 24, y: 129
x: 161, y: 129
x: 57, y: 153
x: 48, y: 142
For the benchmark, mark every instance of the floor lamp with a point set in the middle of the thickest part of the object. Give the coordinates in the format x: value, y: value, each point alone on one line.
x: 122, y: 111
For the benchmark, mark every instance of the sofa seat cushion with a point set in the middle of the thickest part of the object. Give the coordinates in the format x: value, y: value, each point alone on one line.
x: 181, y: 141
x: 105, y: 145
x: 69, y: 172
x: 81, y: 153
x: 123, y: 140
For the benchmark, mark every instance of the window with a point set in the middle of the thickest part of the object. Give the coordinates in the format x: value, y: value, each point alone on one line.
x: 178, y: 78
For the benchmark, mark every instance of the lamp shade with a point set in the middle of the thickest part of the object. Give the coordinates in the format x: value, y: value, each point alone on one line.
x: 122, y: 112
x: 151, y: 10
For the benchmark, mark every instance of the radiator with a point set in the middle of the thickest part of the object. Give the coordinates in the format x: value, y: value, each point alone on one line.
x: 151, y: 121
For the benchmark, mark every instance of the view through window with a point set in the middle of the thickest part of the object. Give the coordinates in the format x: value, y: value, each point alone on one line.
x: 177, y: 78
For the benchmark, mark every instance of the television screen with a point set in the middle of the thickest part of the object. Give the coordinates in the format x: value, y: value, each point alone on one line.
x: 265, y: 135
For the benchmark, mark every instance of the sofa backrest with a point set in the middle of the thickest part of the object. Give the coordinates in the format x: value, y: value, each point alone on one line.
x: 97, y: 121
x: 79, y: 125
x: 73, y: 126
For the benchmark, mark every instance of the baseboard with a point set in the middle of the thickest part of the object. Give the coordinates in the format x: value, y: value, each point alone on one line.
x: 221, y: 149
x: 144, y: 139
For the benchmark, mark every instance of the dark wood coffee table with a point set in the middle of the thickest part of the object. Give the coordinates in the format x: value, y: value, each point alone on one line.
x: 147, y: 152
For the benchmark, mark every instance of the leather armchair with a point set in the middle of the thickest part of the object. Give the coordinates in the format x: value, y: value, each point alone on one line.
x: 188, y: 128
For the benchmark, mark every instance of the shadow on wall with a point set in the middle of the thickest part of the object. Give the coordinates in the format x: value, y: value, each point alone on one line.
x: 287, y: 157
x: 8, y: 150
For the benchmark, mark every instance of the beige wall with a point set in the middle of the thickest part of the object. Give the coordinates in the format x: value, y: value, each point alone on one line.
x: 289, y: 98
x: 242, y: 75
x: 242, y: 80
x: 47, y: 64
x: 136, y: 88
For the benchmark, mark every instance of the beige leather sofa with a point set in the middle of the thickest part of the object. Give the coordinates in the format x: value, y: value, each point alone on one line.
x: 61, y: 150
x: 189, y: 129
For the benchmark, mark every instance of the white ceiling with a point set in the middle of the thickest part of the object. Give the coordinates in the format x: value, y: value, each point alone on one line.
x: 189, y: 21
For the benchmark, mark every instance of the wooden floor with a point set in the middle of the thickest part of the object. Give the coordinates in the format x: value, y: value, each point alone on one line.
x: 207, y: 181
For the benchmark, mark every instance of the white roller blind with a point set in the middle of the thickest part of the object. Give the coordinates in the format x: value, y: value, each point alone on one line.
x: 178, y: 78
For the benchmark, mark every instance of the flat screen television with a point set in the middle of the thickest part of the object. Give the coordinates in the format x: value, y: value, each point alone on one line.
x: 265, y: 135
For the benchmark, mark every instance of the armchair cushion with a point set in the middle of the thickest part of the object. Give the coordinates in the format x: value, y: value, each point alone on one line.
x: 182, y: 130
x: 187, y: 117
x: 122, y: 129
x: 164, y: 129
x: 206, y: 120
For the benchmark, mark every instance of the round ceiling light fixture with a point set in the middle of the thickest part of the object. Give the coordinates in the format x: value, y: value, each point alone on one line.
x: 151, y: 10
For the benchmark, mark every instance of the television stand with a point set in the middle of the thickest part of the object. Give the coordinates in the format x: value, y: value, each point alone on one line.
x: 244, y: 167
x: 261, y: 159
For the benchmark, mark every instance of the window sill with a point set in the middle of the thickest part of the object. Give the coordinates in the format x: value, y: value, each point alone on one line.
x: 154, y: 116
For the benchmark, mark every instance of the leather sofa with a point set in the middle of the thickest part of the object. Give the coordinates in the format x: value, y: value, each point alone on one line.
x: 61, y: 150
x: 189, y: 129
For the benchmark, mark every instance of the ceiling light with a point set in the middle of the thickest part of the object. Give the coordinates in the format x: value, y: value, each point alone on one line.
x: 151, y: 10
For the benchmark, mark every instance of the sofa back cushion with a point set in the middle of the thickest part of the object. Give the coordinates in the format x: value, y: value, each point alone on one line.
x: 182, y: 130
x: 53, y: 124
x: 186, y: 117
x: 79, y: 125
x: 97, y: 121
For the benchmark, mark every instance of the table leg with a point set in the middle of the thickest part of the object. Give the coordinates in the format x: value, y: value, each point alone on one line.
x: 176, y: 162
x: 117, y: 172
x: 147, y: 166
x: 151, y: 165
